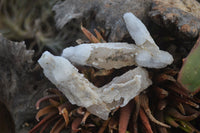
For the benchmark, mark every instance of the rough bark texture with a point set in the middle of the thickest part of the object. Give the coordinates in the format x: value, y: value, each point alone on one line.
x: 179, y: 16
x: 105, y: 13
x: 20, y: 88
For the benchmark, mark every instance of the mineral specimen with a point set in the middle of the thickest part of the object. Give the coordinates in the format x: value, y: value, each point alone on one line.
x: 78, y: 90
x: 100, y: 101
x: 116, y: 55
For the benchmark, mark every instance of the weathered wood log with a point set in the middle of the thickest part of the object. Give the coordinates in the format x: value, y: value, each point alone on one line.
x: 105, y: 13
x: 20, y: 87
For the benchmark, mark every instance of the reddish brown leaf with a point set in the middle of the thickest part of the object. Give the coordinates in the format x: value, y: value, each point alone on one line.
x: 125, y: 113
x: 85, y: 117
x: 44, y: 99
x: 99, y: 37
x: 54, y: 102
x: 89, y: 35
x: 47, y: 123
x: 189, y: 110
x: 75, y: 124
x: 103, y: 127
x: 112, y: 125
x: 59, y: 128
x: 145, y: 121
x: 81, y: 110
x: 57, y: 92
x: 191, y: 103
x: 103, y: 73
x: 173, y: 112
x: 56, y: 125
x: 178, y: 89
x: 165, y: 77
x: 160, y: 117
x: 42, y: 122
x: 66, y: 105
x: 145, y: 104
x: 162, y: 104
x: 171, y: 72
x: 183, y: 100
x: 65, y: 114
x: 181, y: 108
x: 136, y: 113
x: 160, y: 92
x: 44, y: 111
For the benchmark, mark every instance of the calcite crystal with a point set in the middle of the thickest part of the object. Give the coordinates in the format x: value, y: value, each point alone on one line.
x: 116, y: 55
x: 78, y: 90
x: 100, y: 101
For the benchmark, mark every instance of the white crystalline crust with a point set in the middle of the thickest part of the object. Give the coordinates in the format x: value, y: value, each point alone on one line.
x: 78, y: 90
x: 126, y: 86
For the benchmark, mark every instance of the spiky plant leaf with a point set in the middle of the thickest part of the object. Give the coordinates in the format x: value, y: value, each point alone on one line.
x: 189, y: 76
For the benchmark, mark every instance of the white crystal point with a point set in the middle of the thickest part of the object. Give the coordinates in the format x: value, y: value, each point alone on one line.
x: 149, y: 56
x: 78, y: 90
x: 72, y: 84
x: 78, y: 54
x: 102, y: 55
x: 137, y: 29
x: 157, y: 60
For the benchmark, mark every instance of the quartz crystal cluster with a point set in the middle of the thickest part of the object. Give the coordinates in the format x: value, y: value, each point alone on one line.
x: 100, y: 101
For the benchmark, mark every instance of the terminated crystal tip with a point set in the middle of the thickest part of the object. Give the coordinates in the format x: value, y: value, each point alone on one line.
x: 137, y: 29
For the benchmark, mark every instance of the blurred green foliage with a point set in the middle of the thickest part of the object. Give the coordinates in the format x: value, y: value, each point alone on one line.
x: 189, y: 76
x: 31, y: 20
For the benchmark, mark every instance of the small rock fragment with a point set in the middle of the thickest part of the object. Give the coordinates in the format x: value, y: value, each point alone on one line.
x: 78, y: 90
x: 180, y: 16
